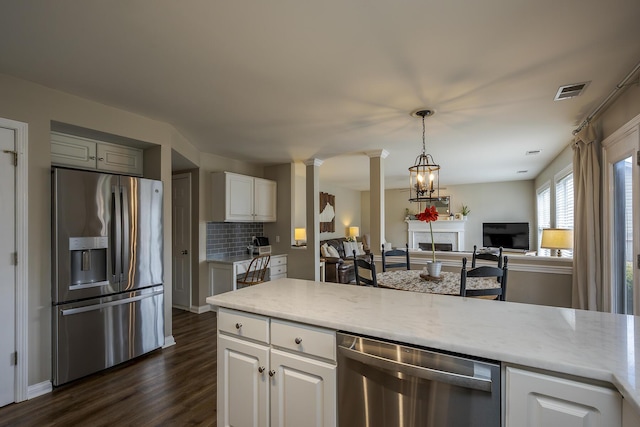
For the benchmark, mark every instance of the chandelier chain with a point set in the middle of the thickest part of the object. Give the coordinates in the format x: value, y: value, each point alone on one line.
x: 424, y: 149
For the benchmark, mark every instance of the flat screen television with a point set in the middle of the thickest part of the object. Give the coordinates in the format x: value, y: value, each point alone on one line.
x: 509, y: 235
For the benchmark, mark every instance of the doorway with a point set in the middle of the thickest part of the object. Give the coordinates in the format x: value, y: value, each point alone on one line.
x: 622, y: 236
x: 181, y: 240
x: 13, y: 261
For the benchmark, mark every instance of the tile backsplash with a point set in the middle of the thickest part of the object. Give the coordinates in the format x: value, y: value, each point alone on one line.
x: 231, y: 238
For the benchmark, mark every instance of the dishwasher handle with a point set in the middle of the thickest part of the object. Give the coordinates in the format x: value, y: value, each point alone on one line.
x: 460, y: 380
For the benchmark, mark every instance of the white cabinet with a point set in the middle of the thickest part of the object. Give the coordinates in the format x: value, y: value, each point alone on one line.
x: 242, y: 383
x: 540, y: 400
x: 630, y: 418
x: 277, y: 267
x: 241, y: 198
x: 223, y: 275
x: 85, y: 153
x: 289, y: 379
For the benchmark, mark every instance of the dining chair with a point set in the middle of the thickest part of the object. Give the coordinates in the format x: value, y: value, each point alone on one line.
x: 362, y: 263
x: 256, y: 271
x: 396, y: 252
x: 500, y: 291
x: 486, y: 256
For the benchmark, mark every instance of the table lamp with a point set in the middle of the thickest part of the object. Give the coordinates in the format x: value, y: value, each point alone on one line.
x: 299, y: 234
x: 354, y: 232
x: 557, y: 239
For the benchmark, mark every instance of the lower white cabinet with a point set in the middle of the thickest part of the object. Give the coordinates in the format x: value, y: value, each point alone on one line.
x: 541, y: 400
x: 278, y: 383
x: 243, y: 382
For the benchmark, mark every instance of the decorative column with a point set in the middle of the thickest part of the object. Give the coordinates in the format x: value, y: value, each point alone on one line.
x: 376, y: 190
x: 313, y: 212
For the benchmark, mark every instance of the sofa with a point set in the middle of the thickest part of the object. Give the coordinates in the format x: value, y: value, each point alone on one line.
x: 337, y: 269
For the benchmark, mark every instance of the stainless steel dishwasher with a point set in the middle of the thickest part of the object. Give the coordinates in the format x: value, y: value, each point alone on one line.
x: 385, y: 384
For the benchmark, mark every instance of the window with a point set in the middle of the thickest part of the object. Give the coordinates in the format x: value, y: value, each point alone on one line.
x: 543, y: 205
x: 564, y: 204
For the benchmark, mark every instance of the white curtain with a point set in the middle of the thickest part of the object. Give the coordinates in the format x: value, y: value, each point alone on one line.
x: 587, y: 255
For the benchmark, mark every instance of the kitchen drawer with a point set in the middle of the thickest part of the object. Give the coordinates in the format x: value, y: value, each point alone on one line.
x: 278, y: 260
x: 245, y: 325
x: 278, y: 270
x: 312, y: 340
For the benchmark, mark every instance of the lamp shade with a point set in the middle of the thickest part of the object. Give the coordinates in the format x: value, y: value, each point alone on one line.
x: 354, y: 231
x: 300, y: 234
x: 557, y: 238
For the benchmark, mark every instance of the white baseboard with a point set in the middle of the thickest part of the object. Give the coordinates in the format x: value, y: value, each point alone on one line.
x: 39, y: 389
x: 169, y: 341
x: 201, y: 309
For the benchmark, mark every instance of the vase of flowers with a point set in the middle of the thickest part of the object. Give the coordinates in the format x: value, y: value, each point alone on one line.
x: 429, y: 215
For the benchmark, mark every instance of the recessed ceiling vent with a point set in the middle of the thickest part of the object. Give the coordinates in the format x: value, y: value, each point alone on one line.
x: 570, y: 91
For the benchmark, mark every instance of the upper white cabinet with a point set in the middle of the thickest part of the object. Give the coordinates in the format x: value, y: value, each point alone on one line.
x: 241, y: 198
x: 540, y: 400
x: 85, y: 153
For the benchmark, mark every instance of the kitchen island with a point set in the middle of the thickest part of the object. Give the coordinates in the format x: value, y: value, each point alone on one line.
x: 591, y: 345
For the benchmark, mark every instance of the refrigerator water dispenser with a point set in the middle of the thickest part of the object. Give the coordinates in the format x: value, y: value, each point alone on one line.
x: 88, y: 257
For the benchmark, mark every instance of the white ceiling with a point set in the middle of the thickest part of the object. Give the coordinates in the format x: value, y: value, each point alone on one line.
x: 288, y: 80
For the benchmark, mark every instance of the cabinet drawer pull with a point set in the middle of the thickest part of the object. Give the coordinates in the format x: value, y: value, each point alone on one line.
x: 298, y: 340
x: 238, y: 325
x: 261, y: 369
x: 272, y: 373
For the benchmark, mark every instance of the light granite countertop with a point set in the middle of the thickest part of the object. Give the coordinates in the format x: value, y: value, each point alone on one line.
x: 600, y: 346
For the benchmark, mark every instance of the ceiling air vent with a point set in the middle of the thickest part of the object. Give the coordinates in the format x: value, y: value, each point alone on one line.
x: 570, y: 91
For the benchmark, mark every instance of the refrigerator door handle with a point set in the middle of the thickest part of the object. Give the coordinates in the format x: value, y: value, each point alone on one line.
x: 127, y: 251
x: 116, y: 248
x: 70, y: 311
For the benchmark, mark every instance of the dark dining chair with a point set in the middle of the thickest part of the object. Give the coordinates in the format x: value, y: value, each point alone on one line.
x: 256, y: 271
x: 396, y: 252
x: 500, y: 291
x: 486, y: 256
x: 365, y: 270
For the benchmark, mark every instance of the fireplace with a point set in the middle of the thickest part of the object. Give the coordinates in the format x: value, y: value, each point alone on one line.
x: 449, y: 234
x: 447, y: 247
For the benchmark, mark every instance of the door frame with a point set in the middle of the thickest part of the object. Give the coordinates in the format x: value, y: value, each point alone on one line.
x: 190, y: 263
x: 632, y: 126
x: 21, y: 205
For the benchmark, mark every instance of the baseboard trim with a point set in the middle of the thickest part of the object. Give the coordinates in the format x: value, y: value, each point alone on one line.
x: 201, y: 309
x: 169, y: 341
x: 39, y: 389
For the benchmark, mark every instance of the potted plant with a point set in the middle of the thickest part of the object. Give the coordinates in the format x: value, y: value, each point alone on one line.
x: 465, y: 211
x: 429, y: 215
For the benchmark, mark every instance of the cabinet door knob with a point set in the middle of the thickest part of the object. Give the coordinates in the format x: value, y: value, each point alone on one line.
x: 298, y: 340
x: 272, y: 373
x: 92, y: 157
x: 261, y: 369
x: 238, y: 325
x: 101, y: 158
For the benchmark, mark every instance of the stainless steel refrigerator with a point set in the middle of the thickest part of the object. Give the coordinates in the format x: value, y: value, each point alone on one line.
x: 107, y: 271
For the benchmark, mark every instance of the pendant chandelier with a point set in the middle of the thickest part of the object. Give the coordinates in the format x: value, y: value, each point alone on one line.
x: 424, y: 179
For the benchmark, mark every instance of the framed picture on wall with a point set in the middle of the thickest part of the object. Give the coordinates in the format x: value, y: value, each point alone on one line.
x: 327, y: 213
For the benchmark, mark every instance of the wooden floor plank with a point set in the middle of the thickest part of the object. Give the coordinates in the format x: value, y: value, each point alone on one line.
x: 175, y: 386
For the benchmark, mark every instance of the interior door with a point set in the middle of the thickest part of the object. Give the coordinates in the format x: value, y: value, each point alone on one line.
x: 181, y: 240
x: 7, y: 267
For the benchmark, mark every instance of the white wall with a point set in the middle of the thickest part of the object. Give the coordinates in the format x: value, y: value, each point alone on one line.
x: 348, y: 210
x: 497, y: 201
x: 38, y: 106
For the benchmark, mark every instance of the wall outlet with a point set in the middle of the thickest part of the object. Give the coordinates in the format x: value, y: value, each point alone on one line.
x: 277, y: 239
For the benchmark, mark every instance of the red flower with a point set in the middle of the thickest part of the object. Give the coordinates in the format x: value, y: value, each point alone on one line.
x: 430, y: 214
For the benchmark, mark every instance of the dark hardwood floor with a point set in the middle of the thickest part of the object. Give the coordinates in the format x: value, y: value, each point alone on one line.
x: 175, y: 386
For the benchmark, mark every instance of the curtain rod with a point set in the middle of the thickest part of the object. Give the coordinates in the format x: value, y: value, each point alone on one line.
x: 607, y: 99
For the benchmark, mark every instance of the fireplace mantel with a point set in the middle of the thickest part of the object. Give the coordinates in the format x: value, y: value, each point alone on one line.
x: 444, y: 231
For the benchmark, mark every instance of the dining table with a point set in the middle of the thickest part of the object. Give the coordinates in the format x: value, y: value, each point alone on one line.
x: 418, y: 281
